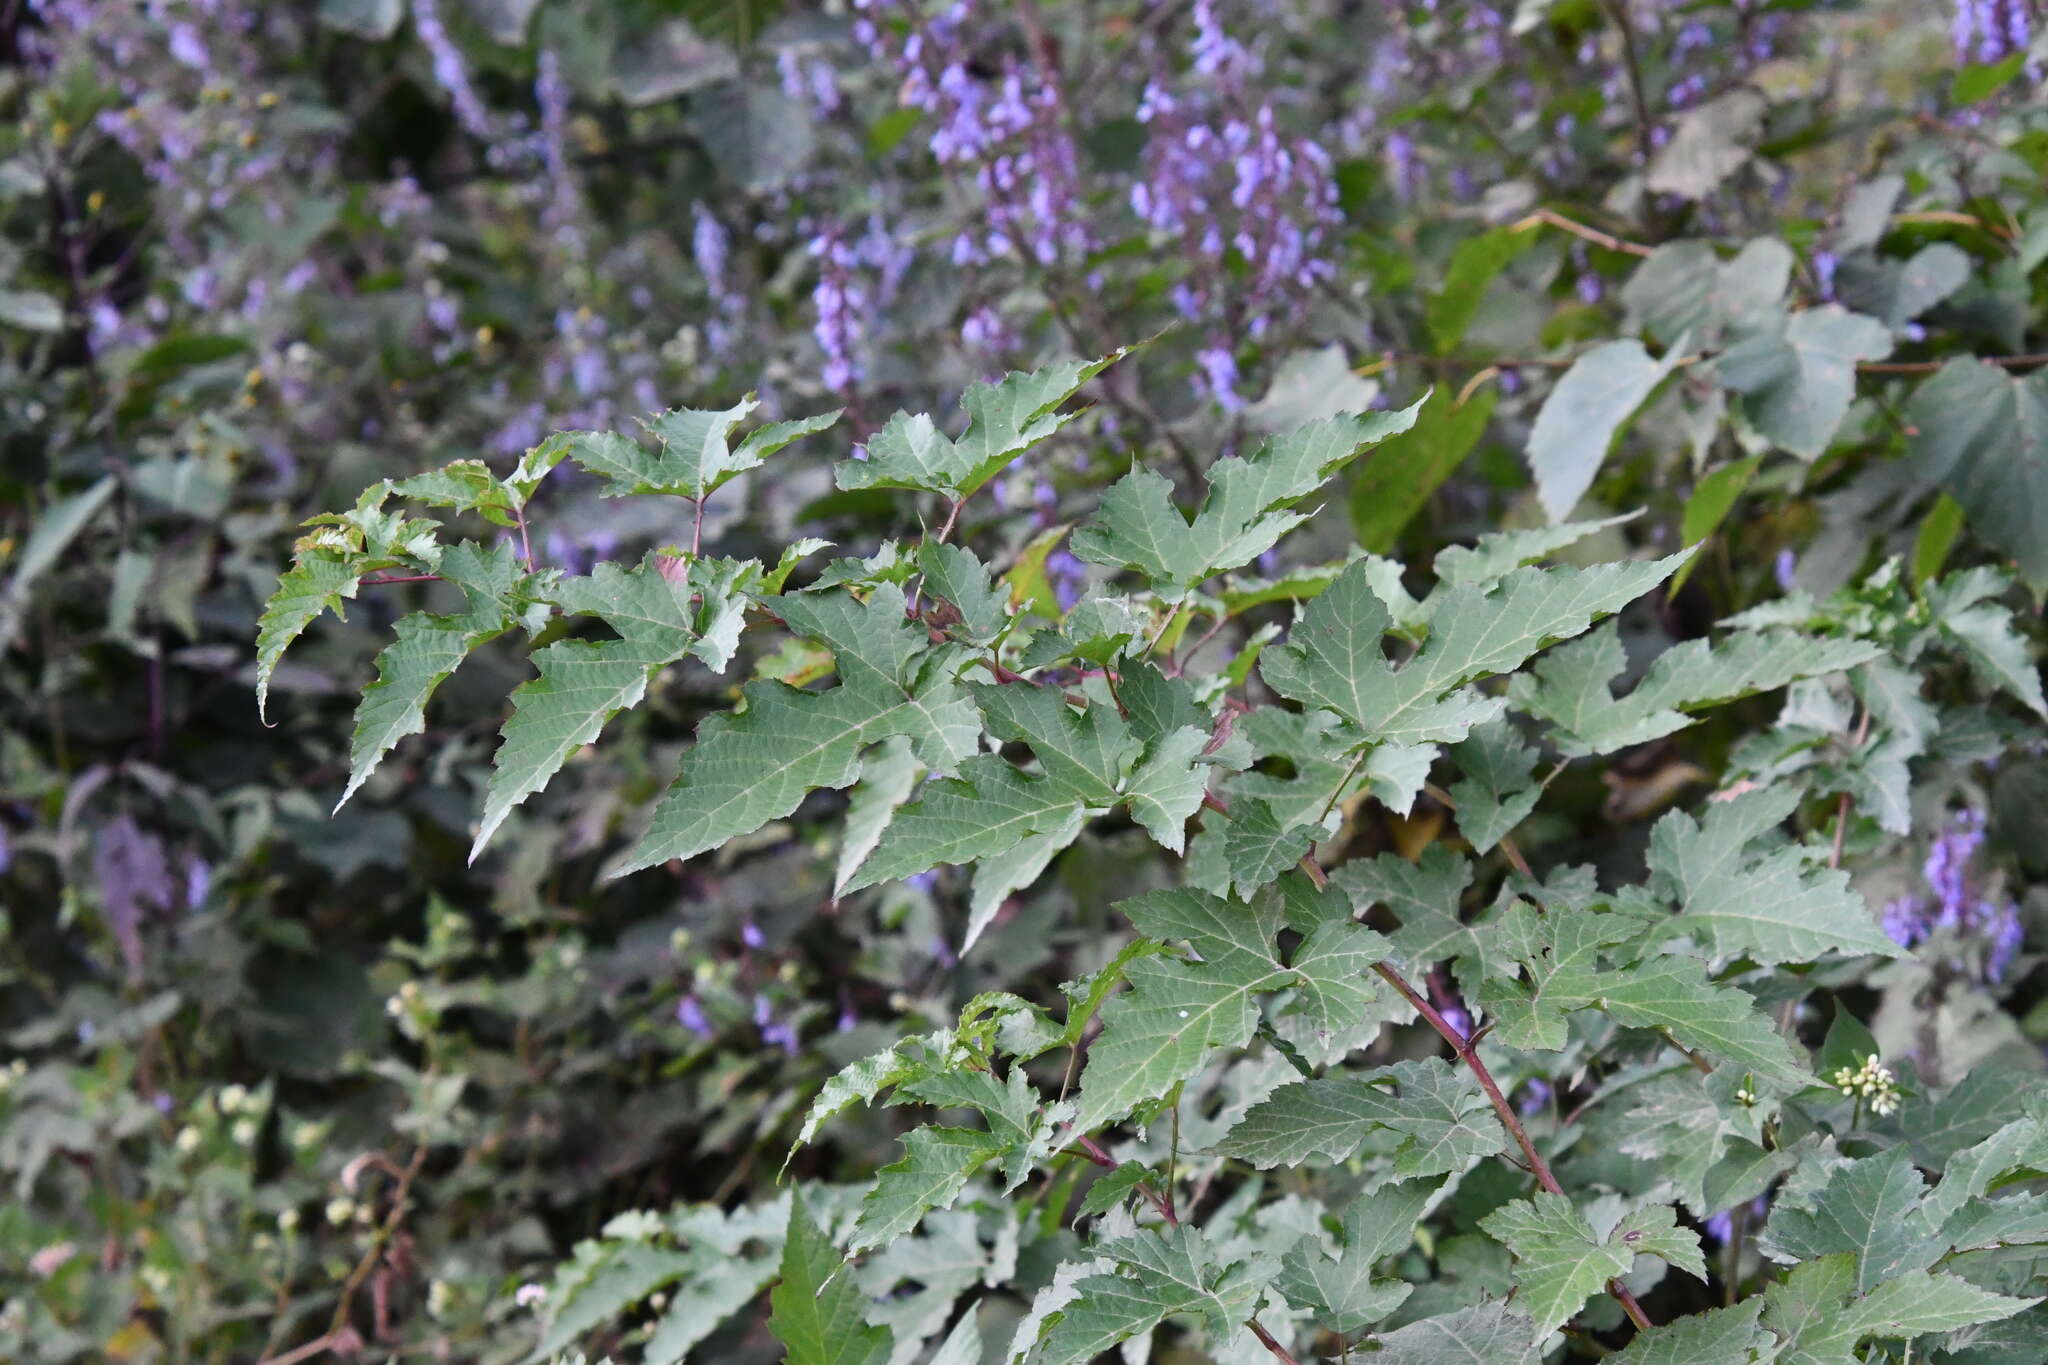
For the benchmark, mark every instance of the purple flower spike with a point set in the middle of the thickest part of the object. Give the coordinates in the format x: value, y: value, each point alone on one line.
x: 691, y: 1016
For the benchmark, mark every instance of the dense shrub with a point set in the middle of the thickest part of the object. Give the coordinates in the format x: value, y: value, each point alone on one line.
x: 1476, y: 793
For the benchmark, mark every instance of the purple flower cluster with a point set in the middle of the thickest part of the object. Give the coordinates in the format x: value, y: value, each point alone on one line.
x: 841, y: 301
x: 1008, y: 133
x: 1952, y: 901
x: 1068, y: 576
x: 450, y: 70
x: 1989, y: 30
x: 1251, y: 208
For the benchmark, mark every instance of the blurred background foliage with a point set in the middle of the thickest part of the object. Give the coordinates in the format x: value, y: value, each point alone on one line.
x: 278, y: 1077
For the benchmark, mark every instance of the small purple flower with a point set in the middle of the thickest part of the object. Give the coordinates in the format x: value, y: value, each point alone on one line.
x: 774, y: 1032
x: 1459, y: 1018
x: 751, y: 935
x: 198, y: 881
x: 1220, y: 377
x: 1903, y: 922
x: 1784, y: 568
x: 691, y: 1016
x: 1534, y: 1098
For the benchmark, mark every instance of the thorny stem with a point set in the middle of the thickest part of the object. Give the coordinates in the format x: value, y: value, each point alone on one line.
x: 697, y: 529
x: 1468, y: 1053
x: 525, y: 545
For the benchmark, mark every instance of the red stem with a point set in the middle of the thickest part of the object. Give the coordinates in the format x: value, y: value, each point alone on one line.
x: 401, y: 578
x: 1468, y: 1053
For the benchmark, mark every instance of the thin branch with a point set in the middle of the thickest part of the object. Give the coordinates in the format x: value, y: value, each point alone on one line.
x: 1646, y: 143
x: 1469, y: 1055
x: 399, y: 578
x: 2009, y: 362
x: 1266, y: 1340
x: 1579, y: 230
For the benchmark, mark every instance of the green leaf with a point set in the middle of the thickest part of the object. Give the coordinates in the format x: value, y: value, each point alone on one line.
x: 1560, y: 1261
x: 756, y: 765
x: 1492, y: 1333
x: 1136, y: 525
x: 1721, y: 1336
x: 935, y: 1167
x: 1983, y: 631
x: 1004, y: 419
x: 1869, y: 1207
x: 1981, y: 80
x: 1709, y: 504
x: 1157, y: 1275
x: 1935, y: 538
x: 1341, y: 1290
x: 1335, y: 655
x: 1442, y: 1120
x: 694, y: 454
x: 318, y: 580
x: 61, y: 523
x: 1981, y: 435
x: 1424, y: 896
x: 582, y: 684
x: 1770, y: 905
x: 958, y: 577
x: 1498, y: 789
x: 819, y: 1313
x: 860, y: 1082
x: 1162, y: 1031
x: 1685, y: 287
x: 1496, y: 554
x: 1798, y: 381
x: 1258, y: 848
x: 1709, y: 143
x: 626, y: 1273
x: 1473, y: 267
x: 31, y: 310
x: 426, y: 650
x: 1820, y: 1320
x: 1569, y: 687
x: 1561, y: 952
x: 1601, y: 390
x: 1395, y: 483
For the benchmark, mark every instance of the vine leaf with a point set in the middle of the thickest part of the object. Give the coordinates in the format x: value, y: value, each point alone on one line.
x: 1004, y: 419
x: 817, y: 1312
x: 1341, y: 1290
x: 1439, y: 1117
x: 1770, y: 905
x: 1569, y: 687
x: 427, y: 648
x: 757, y: 764
x: 1156, y: 1276
x: 1335, y: 656
x: 661, y: 616
x: 1820, y: 1318
x: 1560, y: 1261
x: 934, y: 1169
x: 694, y: 455
x: 1136, y: 526
x: 1561, y: 951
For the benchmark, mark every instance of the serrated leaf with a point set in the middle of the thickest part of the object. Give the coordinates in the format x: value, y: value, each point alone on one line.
x: 426, y: 650
x: 1561, y: 953
x: 1441, y: 1117
x: 958, y: 577
x: 1498, y: 789
x: 1798, y: 382
x: 1984, y: 631
x: 694, y: 454
x: 750, y: 767
x: 818, y: 1313
x: 860, y: 1082
x: 1424, y: 896
x: 1341, y: 1290
x: 1335, y: 656
x: 1819, y: 1320
x: 1004, y: 419
x: 1493, y: 1333
x: 1560, y: 1261
x: 1569, y: 442
x: 1157, y: 1276
x: 1258, y: 848
x: 1497, y: 553
x: 1162, y: 1031
x: 628, y: 1273
x: 1772, y: 905
x: 1870, y: 1208
x: 1722, y: 1336
x: 1136, y: 525
x: 582, y: 684
x: 1570, y: 686
x: 318, y: 580
x: 934, y: 1169
x: 888, y: 775
x: 1473, y: 266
